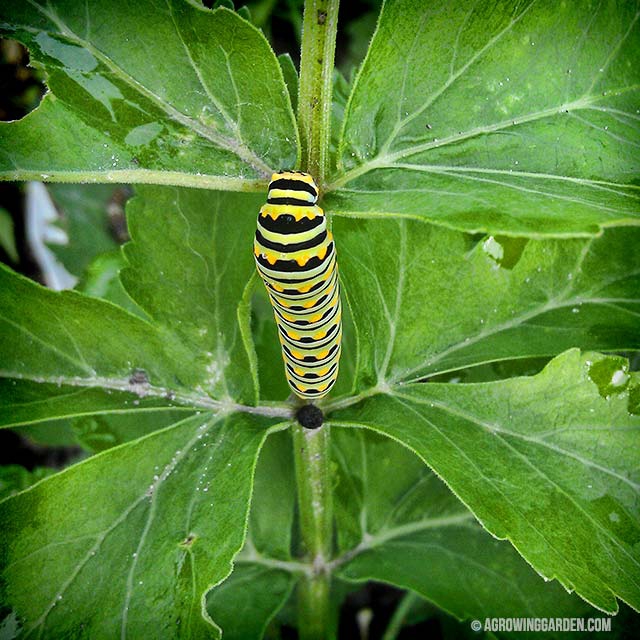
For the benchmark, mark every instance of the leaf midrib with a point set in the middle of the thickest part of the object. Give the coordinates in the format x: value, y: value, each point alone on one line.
x: 370, y: 541
x: 188, y: 398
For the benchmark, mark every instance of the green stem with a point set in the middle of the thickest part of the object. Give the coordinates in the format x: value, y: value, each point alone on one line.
x: 311, y: 447
x: 319, y: 26
x: 311, y: 456
x: 399, y: 615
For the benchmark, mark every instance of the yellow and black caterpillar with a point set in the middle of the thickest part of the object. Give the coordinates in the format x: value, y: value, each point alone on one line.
x: 296, y: 259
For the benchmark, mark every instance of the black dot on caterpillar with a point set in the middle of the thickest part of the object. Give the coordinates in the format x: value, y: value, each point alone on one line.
x: 310, y: 416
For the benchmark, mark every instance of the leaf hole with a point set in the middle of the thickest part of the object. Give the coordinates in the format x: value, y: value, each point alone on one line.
x: 513, y: 249
x: 505, y: 251
x: 611, y: 377
x: 23, y: 86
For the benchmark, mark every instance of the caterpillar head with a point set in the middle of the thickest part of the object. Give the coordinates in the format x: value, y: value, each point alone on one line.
x: 292, y: 187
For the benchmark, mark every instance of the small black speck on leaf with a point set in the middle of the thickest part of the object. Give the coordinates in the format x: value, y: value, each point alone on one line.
x: 139, y: 376
x: 322, y: 16
x: 188, y: 541
x: 310, y: 416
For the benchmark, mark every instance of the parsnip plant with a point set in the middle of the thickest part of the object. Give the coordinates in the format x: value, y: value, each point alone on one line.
x: 481, y: 174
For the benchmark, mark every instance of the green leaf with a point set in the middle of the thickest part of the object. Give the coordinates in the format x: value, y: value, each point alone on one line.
x: 192, y: 353
x: 406, y: 528
x: 245, y: 13
x: 518, y: 118
x: 97, y: 432
x: 245, y: 603
x: 273, y: 504
x: 114, y: 113
x: 385, y: 490
x: 426, y: 300
x: 227, y: 4
x: 547, y: 462
x: 101, y: 280
x: 68, y: 338
x: 148, y: 528
x: 290, y: 75
x: 66, y: 355
x: 51, y: 433
x: 341, y: 92
x: 83, y: 211
x: 14, y: 478
x: 360, y: 31
x: 7, y: 236
x: 28, y: 402
x: 263, y: 578
x: 190, y: 259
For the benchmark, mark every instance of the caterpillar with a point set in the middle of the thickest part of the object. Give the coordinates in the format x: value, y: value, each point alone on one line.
x: 296, y: 259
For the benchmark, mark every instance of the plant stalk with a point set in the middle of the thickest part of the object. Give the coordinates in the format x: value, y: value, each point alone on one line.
x: 311, y: 447
x: 319, y: 26
x: 311, y: 456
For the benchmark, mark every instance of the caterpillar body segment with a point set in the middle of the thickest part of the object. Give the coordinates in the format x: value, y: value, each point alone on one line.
x: 296, y: 259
